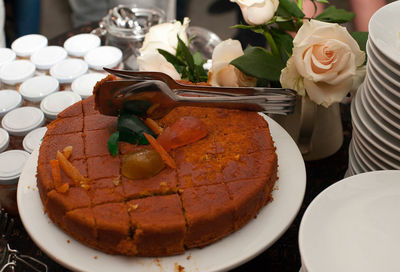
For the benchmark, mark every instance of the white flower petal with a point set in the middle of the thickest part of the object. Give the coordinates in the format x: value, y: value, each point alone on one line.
x: 324, y: 94
x: 224, y: 74
x: 291, y: 79
x: 157, y: 63
x: 226, y: 51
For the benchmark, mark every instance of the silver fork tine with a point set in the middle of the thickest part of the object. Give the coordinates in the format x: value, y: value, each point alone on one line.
x: 176, y: 86
x: 128, y: 91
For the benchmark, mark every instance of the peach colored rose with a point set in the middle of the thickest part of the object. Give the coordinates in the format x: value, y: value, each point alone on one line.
x: 257, y: 12
x: 324, y: 64
x: 224, y: 74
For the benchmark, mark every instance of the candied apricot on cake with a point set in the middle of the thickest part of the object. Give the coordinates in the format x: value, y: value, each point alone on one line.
x: 222, y: 179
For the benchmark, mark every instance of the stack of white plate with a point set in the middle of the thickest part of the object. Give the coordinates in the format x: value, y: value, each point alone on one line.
x: 376, y: 108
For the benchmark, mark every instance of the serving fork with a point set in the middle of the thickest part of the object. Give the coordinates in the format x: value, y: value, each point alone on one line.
x: 8, y: 256
x: 161, y: 90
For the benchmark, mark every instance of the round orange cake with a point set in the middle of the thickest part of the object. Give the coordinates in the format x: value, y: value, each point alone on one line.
x: 220, y: 183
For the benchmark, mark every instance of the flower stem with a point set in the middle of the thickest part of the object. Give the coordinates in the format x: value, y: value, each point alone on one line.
x: 271, y: 43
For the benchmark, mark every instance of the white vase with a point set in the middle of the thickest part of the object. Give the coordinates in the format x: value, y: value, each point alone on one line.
x: 317, y: 130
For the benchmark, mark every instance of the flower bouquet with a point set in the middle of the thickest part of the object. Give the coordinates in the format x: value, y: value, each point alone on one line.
x: 313, y: 55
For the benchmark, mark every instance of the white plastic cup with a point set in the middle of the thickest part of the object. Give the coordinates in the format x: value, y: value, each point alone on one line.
x: 79, y: 45
x: 103, y: 56
x: 33, y: 139
x: 68, y: 70
x: 16, y: 72
x: 84, y: 85
x: 26, y: 45
x: 21, y: 121
x: 9, y: 100
x: 47, y: 56
x: 55, y: 103
x: 37, y: 88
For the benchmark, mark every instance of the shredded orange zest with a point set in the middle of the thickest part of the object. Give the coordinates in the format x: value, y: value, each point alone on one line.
x: 70, y: 170
x: 153, y: 126
x: 56, y: 173
x: 67, y: 151
x: 160, y: 150
x: 63, y: 188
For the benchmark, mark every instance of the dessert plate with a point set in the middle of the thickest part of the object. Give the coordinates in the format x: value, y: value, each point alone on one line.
x: 237, y: 248
x: 386, y: 38
x: 353, y: 225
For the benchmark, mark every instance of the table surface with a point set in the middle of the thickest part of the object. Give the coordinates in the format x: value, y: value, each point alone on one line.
x: 281, y: 256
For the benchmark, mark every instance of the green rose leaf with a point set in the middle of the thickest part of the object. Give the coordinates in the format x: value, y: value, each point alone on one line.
x: 334, y: 15
x: 361, y: 38
x: 259, y: 63
x: 289, y: 8
x: 284, y: 42
x: 189, y: 66
x: 112, y: 143
x: 171, y: 58
x: 131, y: 129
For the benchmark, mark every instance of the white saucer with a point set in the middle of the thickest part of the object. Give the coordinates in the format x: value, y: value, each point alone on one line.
x: 353, y: 225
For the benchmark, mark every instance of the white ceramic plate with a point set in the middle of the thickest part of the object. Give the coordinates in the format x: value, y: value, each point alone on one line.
x: 239, y: 247
x: 362, y: 167
x: 384, y: 28
x: 385, y: 85
x: 354, y: 166
x: 384, y: 62
x: 383, y: 70
x: 389, y: 140
x: 366, y: 163
x: 375, y: 118
x: 353, y: 225
x: 380, y: 111
x: 370, y: 157
x: 369, y: 137
x: 368, y: 149
x: 388, y: 96
x: 384, y: 101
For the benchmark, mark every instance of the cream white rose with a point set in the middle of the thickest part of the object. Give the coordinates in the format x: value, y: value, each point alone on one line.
x: 257, y: 12
x: 162, y: 36
x: 224, y: 74
x: 324, y: 63
x: 157, y: 62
